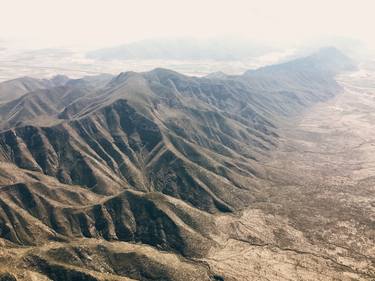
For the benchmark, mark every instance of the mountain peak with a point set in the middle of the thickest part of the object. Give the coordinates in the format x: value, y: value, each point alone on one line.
x: 328, y: 60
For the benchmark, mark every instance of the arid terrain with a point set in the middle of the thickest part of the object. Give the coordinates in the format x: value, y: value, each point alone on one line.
x: 319, y: 223
x: 161, y: 176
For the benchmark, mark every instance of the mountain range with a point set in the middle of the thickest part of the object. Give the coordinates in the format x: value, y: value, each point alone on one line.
x: 183, y: 49
x: 134, y: 176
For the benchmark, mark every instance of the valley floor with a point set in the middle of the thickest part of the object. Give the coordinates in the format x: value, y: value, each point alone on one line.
x: 318, y: 220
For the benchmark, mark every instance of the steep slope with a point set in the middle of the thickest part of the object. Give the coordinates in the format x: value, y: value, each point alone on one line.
x: 55, y: 212
x: 151, y: 158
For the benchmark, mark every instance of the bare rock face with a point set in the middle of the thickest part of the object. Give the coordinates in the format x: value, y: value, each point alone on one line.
x: 148, y: 176
x: 7, y: 277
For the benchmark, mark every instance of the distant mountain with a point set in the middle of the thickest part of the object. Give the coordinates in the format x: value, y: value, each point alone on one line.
x: 129, y: 176
x: 321, y: 66
x: 41, y: 101
x: 17, y: 87
x: 182, y: 49
x: 217, y: 75
x: 324, y: 62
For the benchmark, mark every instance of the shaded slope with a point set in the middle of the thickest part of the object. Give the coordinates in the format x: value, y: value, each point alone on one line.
x: 34, y: 213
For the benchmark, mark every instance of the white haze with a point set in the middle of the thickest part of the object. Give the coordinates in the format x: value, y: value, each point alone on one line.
x: 99, y: 23
x: 41, y: 38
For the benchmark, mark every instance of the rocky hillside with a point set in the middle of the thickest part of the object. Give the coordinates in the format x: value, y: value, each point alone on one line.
x: 122, y: 178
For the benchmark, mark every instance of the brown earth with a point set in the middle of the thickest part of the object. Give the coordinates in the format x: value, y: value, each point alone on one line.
x: 318, y: 222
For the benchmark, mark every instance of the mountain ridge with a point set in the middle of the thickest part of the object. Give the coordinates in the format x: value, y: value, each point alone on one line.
x: 150, y: 158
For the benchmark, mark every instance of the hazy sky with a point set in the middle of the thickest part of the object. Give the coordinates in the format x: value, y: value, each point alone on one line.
x: 98, y: 23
